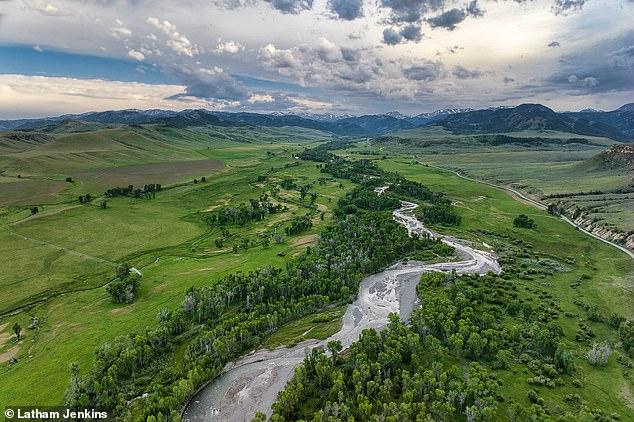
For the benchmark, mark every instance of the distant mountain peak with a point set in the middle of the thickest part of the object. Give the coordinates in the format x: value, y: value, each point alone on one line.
x: 396, y: 115
x: 626, y: 107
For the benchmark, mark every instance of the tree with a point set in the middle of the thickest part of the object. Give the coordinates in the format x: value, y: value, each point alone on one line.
x: 599, y: 354
x: 524, y: 222
x: 334, y: 346
x: 17, y: 330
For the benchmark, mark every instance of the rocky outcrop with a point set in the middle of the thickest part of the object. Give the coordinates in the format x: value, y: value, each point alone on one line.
x: 580, y: 218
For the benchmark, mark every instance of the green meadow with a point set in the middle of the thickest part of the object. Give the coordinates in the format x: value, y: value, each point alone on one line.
x: 60, y: 259
x: 486, y: 211
x: 57, y: 262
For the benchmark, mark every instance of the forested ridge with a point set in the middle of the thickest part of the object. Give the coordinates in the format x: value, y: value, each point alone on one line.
x: 149, y: 375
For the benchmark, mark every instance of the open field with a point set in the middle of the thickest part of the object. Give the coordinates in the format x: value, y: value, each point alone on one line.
x: 139, y: 174
x: 15, y: 191
x: 63, y: 254
x: 166, y: 238
x: 537, y: 169
x: 486, y: 210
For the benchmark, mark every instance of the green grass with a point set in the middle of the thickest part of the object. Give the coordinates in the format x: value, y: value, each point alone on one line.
x: 165, y: 238
x: 168, y: 240
x: 610, y: 288
x: 320, y: 326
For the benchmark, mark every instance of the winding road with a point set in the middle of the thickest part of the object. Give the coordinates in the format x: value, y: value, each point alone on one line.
x: 252, y: 382
x: 536, y: 203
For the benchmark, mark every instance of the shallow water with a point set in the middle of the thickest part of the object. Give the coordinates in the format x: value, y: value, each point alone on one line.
x: 253, y: 381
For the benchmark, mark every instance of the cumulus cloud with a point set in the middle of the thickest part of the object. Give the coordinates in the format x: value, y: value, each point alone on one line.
x: 462, y: 72
x: 346, y: 9
x: 212, y: 84
x: 229, y: 47
x: 424, y: 71
x: 119, y: 30
x: 136, y: 55
x: 564, y: 7
x: 46, y: 8
x: 588, y: 81
x: 291, y: 6
x: 352, y: 55
x: 176, y: 41
x: 275, y: 58
x: 474, y: 10
x: 448, y: 20
x: 411, y: 11
x: 412, y: 33
x: 391, y: 36
x: 328, y: 51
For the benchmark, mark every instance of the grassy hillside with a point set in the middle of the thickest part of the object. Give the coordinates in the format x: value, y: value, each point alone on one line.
x: 167, y: 238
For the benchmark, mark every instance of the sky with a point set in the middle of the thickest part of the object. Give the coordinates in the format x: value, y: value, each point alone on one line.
x: 317, y: 56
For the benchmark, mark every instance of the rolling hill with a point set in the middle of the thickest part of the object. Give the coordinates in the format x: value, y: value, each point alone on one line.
x: 617, y: 124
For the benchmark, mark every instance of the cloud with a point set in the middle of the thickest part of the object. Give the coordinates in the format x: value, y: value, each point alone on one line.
x: 589, y: 81
x: 37, y: 96
x: 46, y: 8
x: 352, y: 55
x: 346, y: 9
x: 136, y: 55
x: 462, y: 72
x: 212, y: 84
x: 291, y: 6
x: 554, y: 44
x: 176, y: 41
x: 391, y: 36
x: 229, y: 47
x: 448, y: 20
x: 425, y: 71
x: 119, y: 30
x: 564, y: 7
x: 233, y: 4
x: 597, y: 68
x: 474, y: 10
x: 275, y: 58
x: 328, y: 51
x: 622, y: 58
x: 412, y: 33
x: 410, y: 11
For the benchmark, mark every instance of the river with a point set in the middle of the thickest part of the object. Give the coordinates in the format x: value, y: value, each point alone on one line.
x: 253, y: 381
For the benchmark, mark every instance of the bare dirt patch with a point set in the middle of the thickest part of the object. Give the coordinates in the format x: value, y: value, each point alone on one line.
x: 522, y: 200
x: 120, y: 311
x: 29, y: 192
x: 198, y: 270
x: 4, y: 357
x: 305, y: 240
x: 141, y: 174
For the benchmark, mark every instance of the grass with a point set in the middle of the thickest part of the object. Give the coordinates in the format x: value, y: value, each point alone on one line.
x: 166, y: 238
x: 320, y: 326
x: 610, y: 287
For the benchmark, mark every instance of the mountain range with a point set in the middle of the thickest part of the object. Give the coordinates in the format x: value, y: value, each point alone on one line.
x: 617, y: 124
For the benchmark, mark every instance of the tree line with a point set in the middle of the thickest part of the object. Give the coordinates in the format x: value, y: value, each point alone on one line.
x: 219, y: 322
